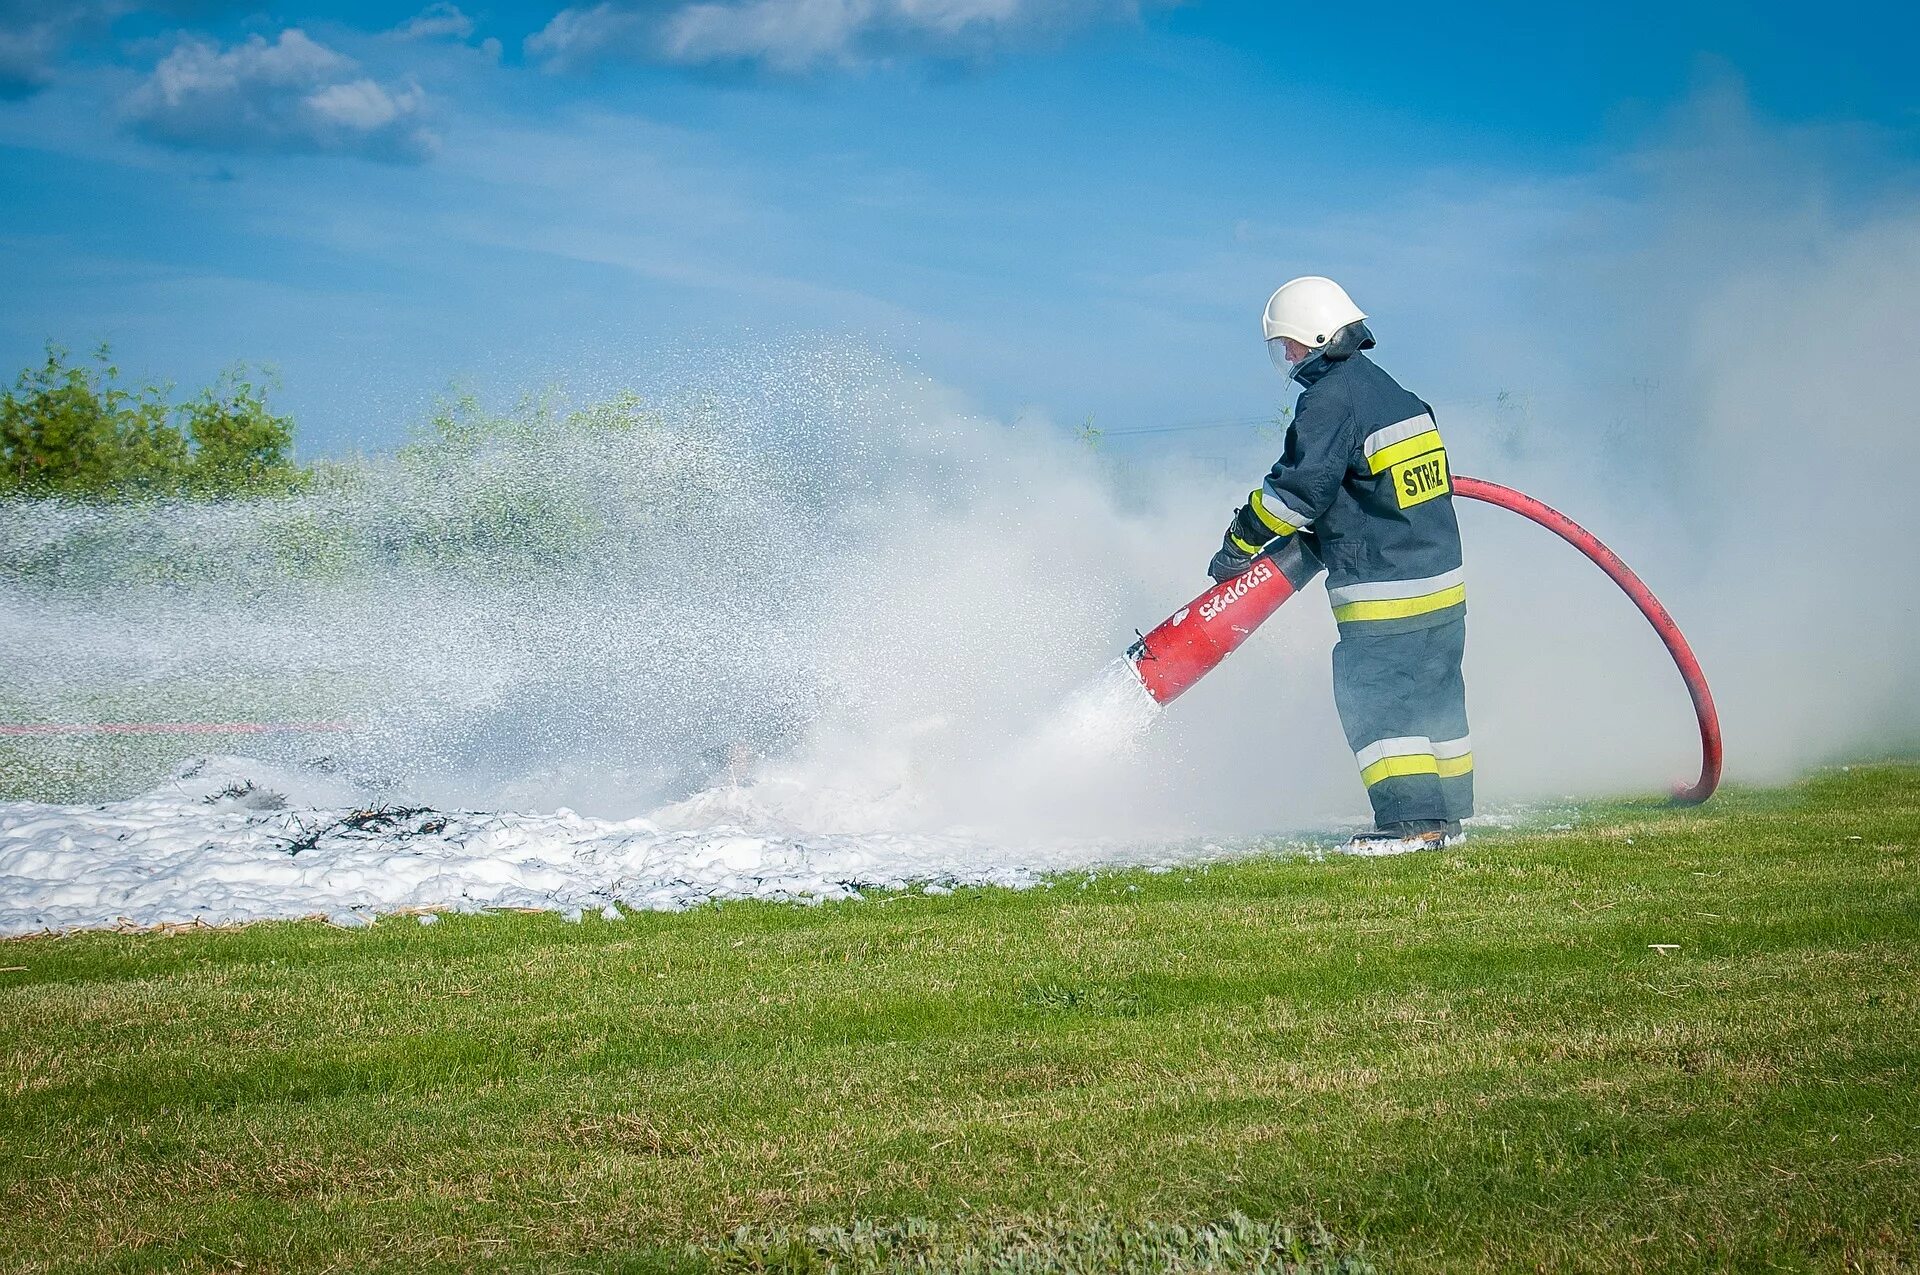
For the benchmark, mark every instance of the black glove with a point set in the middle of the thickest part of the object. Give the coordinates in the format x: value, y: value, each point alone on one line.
x: 1231, y: 561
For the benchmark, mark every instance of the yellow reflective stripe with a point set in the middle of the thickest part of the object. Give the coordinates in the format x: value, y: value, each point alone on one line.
x: 1406, y: 449
x: 1275, y: 523
x: 1242, y: 545
x: 1393, y: 767
x: 1401, y: 608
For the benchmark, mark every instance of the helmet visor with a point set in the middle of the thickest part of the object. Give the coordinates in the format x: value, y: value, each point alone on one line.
x: 1277, y: 351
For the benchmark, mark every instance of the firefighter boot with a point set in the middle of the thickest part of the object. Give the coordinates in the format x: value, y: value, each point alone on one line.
x: 1400, y: 838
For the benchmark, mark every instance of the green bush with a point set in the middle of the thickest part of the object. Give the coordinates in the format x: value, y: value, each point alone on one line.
x: 239, y: 446
x: 74, y: 431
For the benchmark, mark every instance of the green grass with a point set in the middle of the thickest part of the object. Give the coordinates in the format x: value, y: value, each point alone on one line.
x: 1458, y: 1061
x: 79, y: 769
x: 83, y: 769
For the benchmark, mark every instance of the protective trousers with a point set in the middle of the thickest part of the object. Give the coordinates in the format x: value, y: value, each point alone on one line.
x: 1403, y: 704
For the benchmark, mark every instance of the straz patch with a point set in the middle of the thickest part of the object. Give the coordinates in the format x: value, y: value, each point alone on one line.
x: 1420, y: 479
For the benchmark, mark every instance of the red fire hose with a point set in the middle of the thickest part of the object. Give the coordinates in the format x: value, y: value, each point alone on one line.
x: 1617, y: 571
x: 1199, y: 635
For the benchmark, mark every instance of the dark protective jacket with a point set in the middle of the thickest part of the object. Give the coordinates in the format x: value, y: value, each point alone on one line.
x: 1364, y: 481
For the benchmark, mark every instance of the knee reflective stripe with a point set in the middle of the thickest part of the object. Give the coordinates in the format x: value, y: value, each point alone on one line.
x: 1403, y: 440
x: 1391, y: 758
x: 1453, y: 757
x: 1281, y: 518
x: 1398, y: 599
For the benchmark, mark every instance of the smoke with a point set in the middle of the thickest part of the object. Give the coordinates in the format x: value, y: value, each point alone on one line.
x: 805, y: 585
x: 1740, y: 439
x: 800, y: 585
x: 1809, y: 433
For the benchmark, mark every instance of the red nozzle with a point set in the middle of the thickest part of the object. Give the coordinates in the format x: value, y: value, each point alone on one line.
x: 1190, y: 642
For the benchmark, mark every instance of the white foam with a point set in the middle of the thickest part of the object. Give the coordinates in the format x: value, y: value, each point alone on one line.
x: 224, y: 842
x: 1059, y: 770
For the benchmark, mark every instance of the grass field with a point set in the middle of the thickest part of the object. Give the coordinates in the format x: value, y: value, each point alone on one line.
x: 1467, y: 1060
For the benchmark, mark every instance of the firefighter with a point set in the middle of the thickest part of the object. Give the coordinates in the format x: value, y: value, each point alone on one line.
x: 1363, y: 483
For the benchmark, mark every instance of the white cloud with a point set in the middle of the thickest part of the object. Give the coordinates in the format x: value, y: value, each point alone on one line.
x: 290, y: 95
x: 577, y: 36
x: 438, y: 21
x: 799, y: 35
x: 360, y: 106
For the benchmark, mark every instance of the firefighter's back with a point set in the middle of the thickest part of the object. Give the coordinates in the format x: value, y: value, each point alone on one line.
x: 1390, y: 539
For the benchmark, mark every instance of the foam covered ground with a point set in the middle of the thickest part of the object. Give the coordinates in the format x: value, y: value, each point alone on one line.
x: 233, y: 839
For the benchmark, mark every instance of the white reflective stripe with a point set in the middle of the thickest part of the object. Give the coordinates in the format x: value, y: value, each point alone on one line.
x: 1399, y: 432
x: 1392, y: 590
x: 1446, y: 748
x: 1278, y: 504
x: 1406, y: 746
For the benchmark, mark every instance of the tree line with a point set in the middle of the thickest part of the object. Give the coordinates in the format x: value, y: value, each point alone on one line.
x: 71, y: 429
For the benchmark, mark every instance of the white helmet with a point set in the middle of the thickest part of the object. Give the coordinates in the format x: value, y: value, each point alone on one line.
x: 1310, y: 310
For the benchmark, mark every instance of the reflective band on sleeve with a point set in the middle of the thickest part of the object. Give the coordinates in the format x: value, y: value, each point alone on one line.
x: 1390, y: 758
x: 1281, y: 517
x: 1454, y: 756
x: 1278, y: 526
x: 1419, y: 445
x: 1398, y: 432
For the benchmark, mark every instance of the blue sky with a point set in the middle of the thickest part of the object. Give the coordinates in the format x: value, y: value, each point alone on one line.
x: 1063, y: 208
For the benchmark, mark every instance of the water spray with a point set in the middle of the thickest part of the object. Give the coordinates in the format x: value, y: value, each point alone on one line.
x: 1195, y: 639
